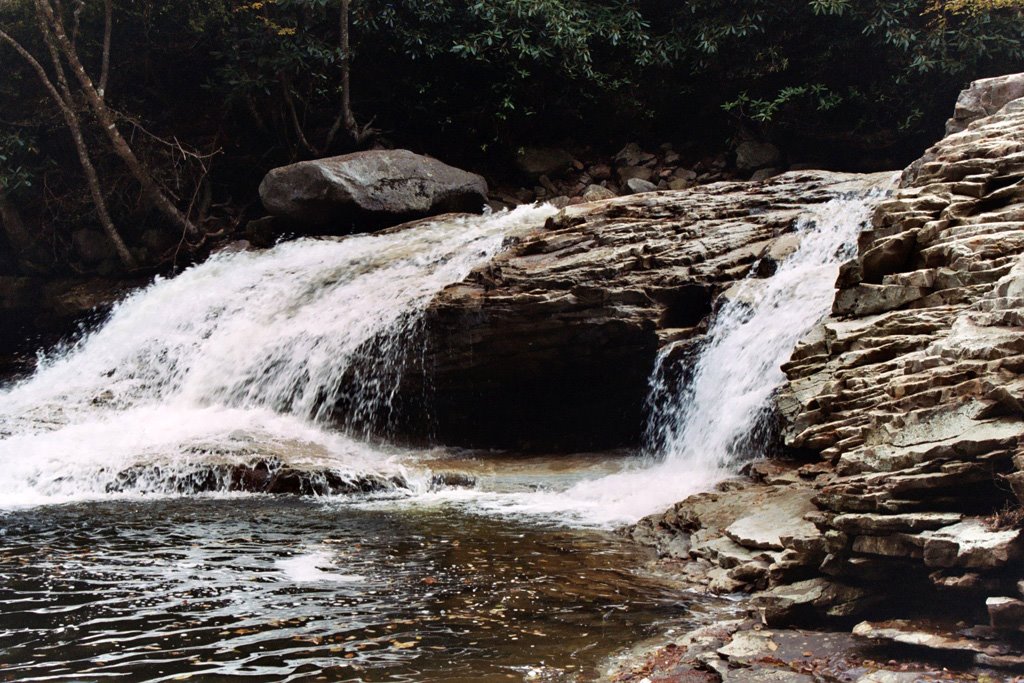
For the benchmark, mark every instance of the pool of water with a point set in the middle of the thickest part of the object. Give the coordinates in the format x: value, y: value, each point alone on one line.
x: 265, y: 588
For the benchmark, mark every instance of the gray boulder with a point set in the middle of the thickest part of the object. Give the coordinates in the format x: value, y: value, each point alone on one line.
x: 368, y: 190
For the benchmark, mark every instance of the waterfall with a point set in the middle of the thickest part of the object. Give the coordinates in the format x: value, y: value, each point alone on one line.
x: 719, y: 414
x: 719, y: 417
x: 246, y: 355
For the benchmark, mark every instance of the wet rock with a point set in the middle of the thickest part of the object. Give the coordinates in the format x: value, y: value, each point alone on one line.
x: 264, y: 232
x: 269, y: 476
x: 369, y: 189
x: 440, y: 480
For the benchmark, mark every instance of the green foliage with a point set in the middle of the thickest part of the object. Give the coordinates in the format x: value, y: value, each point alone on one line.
x: 18, y: 161
x: 452, y: 77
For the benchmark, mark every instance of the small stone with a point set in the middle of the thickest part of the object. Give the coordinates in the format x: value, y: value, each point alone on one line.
x: 632, y: 155
x: 595, y: 193
x: 762, y: 174
x: 535, y: 162
x: 1005, y: 613
x: 627, y: 173
x: 751, y: 156
x: 748, y: 645
x: 636, y: 186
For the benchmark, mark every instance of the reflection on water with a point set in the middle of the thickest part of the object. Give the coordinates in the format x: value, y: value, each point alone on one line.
x: 287, y: 589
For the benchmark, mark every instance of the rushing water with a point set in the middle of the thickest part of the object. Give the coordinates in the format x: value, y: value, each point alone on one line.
x: 287, y: 356
x: 245, y: 355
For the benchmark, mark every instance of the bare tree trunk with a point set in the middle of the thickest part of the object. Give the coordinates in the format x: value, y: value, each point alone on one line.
x: 108, y: 29
x: 106, y: 120
x: 345, y: 118
x: 65, y: 103
x: 346, y: 83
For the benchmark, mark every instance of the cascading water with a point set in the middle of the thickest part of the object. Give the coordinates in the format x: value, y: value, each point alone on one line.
x: 698, y: 432
x: 718, y: 417
x: 245, y: 355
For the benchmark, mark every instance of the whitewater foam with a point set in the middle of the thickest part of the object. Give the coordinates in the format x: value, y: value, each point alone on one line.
x: 250, y: 354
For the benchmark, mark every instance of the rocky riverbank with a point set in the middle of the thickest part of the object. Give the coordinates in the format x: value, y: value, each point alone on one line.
x: 902, y: 523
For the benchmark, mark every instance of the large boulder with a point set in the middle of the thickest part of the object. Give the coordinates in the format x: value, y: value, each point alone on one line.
x: 368, y: 190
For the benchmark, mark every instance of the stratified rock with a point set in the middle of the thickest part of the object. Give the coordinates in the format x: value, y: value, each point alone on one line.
x: 550, y: 346
x: 984, y: 98
x: 370, y: 189
x: 767, y: 525
x: 913, y: 388
x: 988, y: 649
x: 813, y: 599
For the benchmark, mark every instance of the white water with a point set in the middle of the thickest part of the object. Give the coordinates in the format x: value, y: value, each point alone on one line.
x: 700, y: 432
x: 240, y: 357
x: 244, y: 356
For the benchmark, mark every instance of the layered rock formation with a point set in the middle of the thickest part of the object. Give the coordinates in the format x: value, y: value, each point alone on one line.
x: 552, y: 344
x: 911, y: 396
x: 913, y: 389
